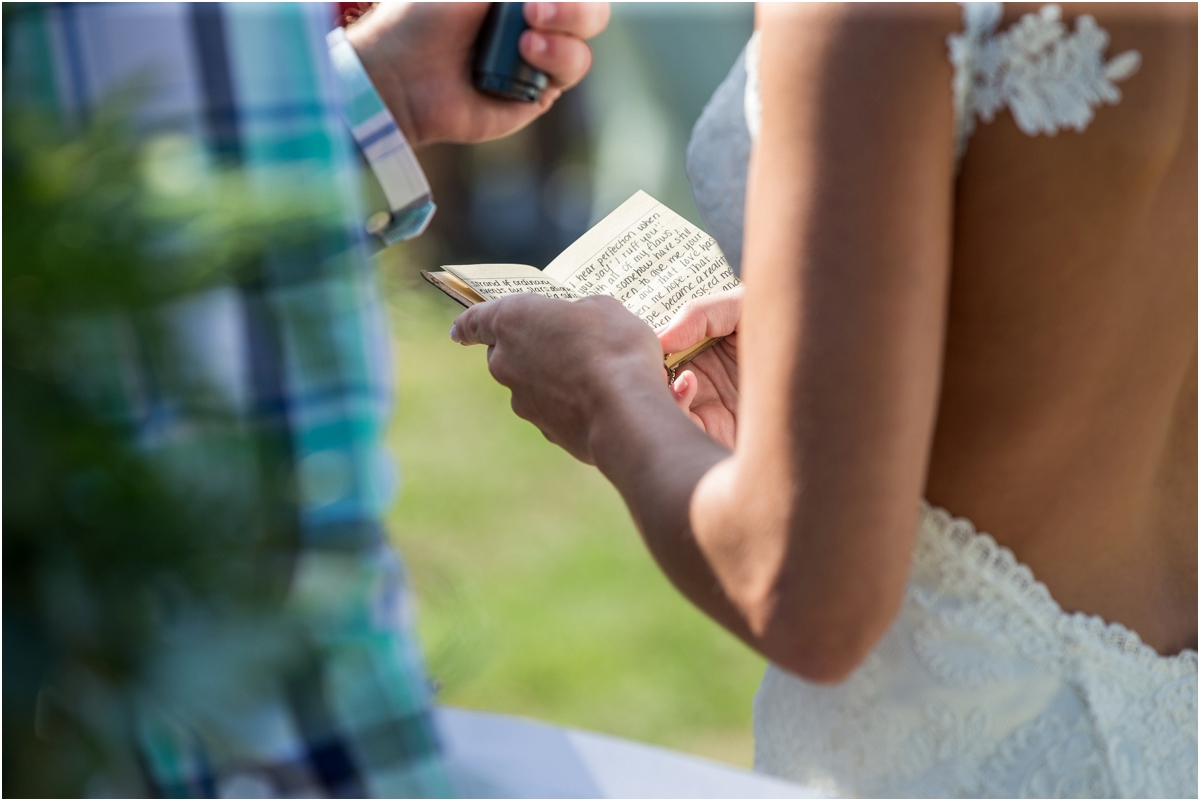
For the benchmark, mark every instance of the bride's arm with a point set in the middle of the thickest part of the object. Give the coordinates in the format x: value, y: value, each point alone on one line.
x: 800, y: 540
x: 848, y: 228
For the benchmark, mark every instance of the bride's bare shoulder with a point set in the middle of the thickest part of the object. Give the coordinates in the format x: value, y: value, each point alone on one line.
x: 1157, y: 13
x: 828, y: 27
x: 809, y: 13
x: 890, y: 59
x: 940, y: 14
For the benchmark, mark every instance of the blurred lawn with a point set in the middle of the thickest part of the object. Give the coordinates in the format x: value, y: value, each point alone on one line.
x: 535, y: 594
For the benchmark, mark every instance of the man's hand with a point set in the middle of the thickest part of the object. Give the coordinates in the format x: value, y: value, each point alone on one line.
x: 566, y: 363
x: 418, y: 55
x: 708, y: 389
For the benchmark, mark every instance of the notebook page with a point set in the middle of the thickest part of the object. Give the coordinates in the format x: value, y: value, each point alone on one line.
x: 646, y: 256
x: 494, y: 281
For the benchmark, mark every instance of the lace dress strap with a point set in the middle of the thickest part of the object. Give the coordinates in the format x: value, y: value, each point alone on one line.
x: 1048, y: 77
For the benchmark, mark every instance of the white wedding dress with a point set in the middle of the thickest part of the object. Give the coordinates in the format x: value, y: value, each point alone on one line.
x: 983, y: 685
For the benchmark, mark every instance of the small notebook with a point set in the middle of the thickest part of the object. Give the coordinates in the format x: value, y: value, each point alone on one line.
x: 643, y: 254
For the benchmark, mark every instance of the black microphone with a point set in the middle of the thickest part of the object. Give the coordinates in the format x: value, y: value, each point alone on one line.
x: 498, y: 69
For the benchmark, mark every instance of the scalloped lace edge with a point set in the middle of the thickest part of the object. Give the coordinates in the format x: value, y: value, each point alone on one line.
x: 998, y: 563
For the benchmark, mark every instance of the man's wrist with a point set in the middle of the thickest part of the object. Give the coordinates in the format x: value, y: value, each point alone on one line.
x: 627, y: 399
x: 650, y: 450
x: 384, y: 146
x: 364, y: 37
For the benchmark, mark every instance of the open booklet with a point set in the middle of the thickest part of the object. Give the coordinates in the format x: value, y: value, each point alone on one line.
x: 643, y: 254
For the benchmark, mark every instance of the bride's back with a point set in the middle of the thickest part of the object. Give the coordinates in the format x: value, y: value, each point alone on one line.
x: 1067, y: 420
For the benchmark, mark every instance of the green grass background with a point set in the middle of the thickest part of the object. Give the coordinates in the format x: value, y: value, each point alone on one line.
x: 535, y: 593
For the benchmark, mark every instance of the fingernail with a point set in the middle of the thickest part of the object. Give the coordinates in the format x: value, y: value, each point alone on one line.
x: 454, y: 333
x: 544, y: 12
x: 681, y: 384
x: 537, y: 43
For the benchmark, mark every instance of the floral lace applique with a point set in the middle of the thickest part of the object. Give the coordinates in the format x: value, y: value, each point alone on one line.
x: 1049, y: 78
x: 1051, y: 756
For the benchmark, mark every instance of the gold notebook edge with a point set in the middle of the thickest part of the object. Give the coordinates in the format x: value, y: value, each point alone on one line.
x: 673, y: 361
x: 453, y: 286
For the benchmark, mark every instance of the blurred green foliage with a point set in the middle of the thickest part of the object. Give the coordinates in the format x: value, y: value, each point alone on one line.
x: 536, y: 594
x: 113, y: 566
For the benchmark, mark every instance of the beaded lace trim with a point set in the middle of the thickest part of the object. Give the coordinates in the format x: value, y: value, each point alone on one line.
x: 1048, y: 78
x: 997, y: 563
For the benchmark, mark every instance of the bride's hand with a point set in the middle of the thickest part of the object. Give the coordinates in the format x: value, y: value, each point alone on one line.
x: 707, y: 390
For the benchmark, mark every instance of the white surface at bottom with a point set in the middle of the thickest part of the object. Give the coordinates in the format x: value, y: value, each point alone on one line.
x: 500, y: 756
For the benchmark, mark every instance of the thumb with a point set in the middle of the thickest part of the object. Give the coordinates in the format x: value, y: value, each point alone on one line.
x: 712, y: 316
x: 684, y: 389
x: 476, y: 326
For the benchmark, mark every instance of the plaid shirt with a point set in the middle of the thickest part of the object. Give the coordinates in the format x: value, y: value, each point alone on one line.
x: 301, y: 352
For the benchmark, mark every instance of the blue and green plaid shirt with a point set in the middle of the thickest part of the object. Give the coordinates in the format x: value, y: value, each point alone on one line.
x: 301, y: 352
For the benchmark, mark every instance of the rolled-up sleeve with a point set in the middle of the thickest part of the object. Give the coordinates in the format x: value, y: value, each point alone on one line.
x: 384, y: 147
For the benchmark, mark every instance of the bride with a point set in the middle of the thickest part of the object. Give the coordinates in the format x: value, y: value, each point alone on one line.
x: 969, y: 273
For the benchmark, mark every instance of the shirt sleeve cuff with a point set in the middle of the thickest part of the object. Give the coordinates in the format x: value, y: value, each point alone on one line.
x: 384, y: 146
